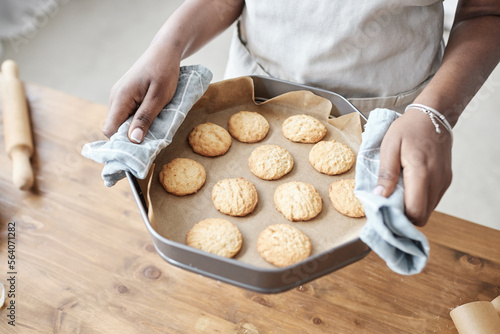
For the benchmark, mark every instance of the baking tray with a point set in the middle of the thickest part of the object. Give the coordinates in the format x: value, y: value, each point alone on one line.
x: 241, y: 274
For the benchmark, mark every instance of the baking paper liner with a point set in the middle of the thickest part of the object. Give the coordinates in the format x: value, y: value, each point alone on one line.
x: 173, y: 216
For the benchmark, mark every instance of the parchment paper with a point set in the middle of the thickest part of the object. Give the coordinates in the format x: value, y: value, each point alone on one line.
x: 479, y: 317
x: 496, y: 304
x: 173, y: 216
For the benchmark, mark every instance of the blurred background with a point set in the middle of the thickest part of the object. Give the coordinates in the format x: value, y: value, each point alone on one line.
x: 82, y: 47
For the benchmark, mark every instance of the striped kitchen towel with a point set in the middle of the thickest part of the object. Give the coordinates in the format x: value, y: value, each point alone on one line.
x: 119, y: 154
x: 387, y: 231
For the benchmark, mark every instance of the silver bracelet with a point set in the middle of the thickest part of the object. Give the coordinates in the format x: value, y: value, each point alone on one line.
x: 434, y: 115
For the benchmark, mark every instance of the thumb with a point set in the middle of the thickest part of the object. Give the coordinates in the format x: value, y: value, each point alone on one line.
x: 390, y: 166
x: 150, y: 107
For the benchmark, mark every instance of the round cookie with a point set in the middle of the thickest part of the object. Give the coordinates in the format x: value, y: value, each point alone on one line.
x: 341, y: 194
x: 331, y: 157
x: 270, y: 162
x: 217, y: 236
x: 248, y: 126
x: 235, y: 197
x: 283, y: 245
x: 209, y: 140
x: 298, y: 201
x: 182, y: 176
x: 303, y: 129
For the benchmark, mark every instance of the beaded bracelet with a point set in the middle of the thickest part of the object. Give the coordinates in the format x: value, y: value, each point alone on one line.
x: 434, y: 115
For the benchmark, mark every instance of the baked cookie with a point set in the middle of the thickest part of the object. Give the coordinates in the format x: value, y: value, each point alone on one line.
x: 303, y: 129
x: 331, y: 157
x: 235, y: 197
x: 341, y: 194
x: 209, y: 140
x: 270, y: 162
x: 248, y: 126
x: 283, y: 245
x: 217, y: 236
x: 182, y: 176
x: 298, y: 201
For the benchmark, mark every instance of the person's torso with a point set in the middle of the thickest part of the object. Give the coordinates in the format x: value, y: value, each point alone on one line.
x: 362, y: 48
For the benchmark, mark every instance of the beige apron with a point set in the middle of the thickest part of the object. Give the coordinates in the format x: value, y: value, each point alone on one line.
x: 376, y: 53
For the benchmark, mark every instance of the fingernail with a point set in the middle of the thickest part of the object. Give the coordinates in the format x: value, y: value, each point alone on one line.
x: 136, y: 135
x: 378, y: 190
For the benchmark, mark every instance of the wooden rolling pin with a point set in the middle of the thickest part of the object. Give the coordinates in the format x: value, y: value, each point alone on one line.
x: 18, y: 141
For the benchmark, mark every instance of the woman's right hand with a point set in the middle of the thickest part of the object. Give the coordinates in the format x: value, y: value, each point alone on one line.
x: 144, y: 90
x: 151, y: 82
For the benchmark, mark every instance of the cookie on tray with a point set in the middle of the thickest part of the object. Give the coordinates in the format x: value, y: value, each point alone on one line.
x: 216, y: 236
x: 303, y: 129
x: 235, y: 197
x: 248, y: 126
x: 270, y: 162
x: 298, y: 201
x: 210, y: 140
x: 182, y: 176
x: 331, y: 157
x: 283, y: 245
x: 341, y: 194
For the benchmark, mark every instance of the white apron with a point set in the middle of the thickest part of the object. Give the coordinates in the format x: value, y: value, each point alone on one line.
x: 376, y: 53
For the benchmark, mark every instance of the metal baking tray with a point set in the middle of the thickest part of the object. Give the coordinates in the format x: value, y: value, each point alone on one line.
x: 241, y: 274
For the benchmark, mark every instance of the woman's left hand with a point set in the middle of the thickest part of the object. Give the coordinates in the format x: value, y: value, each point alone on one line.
x: 412, y: 146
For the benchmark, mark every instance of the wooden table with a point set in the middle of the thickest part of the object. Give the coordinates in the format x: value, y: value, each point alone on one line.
x: 85, y: 262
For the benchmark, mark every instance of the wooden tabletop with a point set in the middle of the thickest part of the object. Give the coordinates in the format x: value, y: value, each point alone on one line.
x: 84, y: 261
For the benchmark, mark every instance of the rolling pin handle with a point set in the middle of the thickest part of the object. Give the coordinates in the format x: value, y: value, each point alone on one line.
x: 10, y: 69
x: 22, y: 172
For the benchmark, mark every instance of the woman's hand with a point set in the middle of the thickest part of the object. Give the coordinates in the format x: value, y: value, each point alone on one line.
x: 412, y: 146
x: 151, y: 82
x: 144, y: 90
